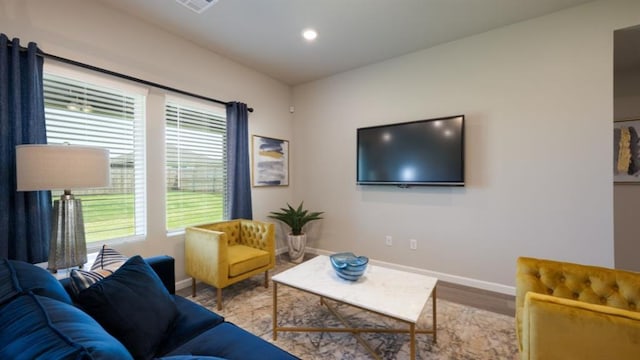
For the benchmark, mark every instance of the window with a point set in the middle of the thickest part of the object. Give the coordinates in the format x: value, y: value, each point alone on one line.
x: 195, y: 163
x: 87, y: 110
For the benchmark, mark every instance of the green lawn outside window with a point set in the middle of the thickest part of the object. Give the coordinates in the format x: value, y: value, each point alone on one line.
x: 109, y: 211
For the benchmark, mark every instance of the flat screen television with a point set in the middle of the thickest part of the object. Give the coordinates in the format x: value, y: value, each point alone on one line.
x: 424, y: 152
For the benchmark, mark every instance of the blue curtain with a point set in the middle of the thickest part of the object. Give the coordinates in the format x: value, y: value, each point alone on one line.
x: 238, y: 172
x: 25, y: 217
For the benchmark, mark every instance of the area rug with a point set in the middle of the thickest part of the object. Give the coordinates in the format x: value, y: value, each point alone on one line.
x: 463, y: 332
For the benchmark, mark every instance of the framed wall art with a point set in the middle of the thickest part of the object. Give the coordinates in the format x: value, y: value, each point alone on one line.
x: 270, y: 165
x: 626, y: 151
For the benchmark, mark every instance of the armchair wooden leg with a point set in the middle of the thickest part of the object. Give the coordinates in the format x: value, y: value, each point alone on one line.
x: 219, y: 299
x: 266, y: 279
x: 193, y: 287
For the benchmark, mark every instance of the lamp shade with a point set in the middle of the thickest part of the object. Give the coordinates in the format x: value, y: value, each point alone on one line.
x: 61, y: 167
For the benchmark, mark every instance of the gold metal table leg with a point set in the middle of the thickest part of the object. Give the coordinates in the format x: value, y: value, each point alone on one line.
x: 433, y: 298
x: 354, y: 332
x: 412, y: 331
x: 412, y: 342
x: 275, y: 310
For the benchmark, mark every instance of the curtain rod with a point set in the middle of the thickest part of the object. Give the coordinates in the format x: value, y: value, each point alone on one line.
x: 131, y: 78
x: 126, y: 77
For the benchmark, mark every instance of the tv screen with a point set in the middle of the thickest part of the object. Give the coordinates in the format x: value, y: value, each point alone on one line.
x: 424, y: 152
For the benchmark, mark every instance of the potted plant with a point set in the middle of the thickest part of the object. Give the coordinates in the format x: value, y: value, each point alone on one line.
x: 296, y: 218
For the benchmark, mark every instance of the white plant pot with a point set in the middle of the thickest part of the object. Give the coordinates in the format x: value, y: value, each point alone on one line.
x: 297, y: 245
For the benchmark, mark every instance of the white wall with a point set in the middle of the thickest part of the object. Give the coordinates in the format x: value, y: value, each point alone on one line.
x: 537, y: 97
x: 88, y: 32
x: 538, y: 101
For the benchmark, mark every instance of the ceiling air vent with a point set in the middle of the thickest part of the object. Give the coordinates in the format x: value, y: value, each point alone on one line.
x: 197, y: 5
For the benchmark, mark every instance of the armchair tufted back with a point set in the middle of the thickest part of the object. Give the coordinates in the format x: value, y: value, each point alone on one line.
x: 256, y: 234
x: 252, y: 233
x: 590, y: 284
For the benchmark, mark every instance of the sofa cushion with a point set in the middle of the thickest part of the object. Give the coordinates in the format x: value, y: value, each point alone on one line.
x: 133, y: 305
x: 231, y: 342
x: 17, y: 277
x: 107, y: 261
x: 164, y: 267
x: 37, y: 327
x: 82, y: 279
x: 192, y: 320
x: 190, y: 357
x: 243, y: 259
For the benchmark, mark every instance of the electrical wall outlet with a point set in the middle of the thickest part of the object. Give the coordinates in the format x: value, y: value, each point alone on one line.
x: 413, y: 244
x: 388, y: 240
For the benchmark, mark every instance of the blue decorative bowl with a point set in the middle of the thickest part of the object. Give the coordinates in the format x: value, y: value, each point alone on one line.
x: 348, y: 266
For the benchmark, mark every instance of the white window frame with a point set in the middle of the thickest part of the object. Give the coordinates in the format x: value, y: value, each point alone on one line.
x: 140, y: 192
x: 217, y: 110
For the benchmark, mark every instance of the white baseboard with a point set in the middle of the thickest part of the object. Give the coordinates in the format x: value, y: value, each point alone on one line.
x: 455, y: 279
x: 183, y: 284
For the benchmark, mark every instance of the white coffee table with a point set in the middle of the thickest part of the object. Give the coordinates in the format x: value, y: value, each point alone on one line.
x: 393, y: 293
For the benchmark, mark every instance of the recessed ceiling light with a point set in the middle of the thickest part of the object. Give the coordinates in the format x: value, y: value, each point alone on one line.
x: 309, y: 34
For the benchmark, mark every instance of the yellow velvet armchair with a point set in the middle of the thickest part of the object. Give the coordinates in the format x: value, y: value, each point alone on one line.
x: 223, y: 253
x: 571, y: 311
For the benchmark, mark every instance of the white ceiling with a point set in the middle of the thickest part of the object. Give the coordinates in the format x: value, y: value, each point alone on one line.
x: 266, y: 34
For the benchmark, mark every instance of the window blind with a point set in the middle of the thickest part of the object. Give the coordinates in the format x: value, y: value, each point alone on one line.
x: 83, y: 113
x: 195, y: 164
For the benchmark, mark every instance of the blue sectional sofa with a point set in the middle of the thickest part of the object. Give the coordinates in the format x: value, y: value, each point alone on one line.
x: 132, y: 314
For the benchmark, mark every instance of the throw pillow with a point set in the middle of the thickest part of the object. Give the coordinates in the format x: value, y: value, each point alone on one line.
x: 107, y: 261
x: 82, y: 279
x: 190, y: 357
x: 17, y: 277
x: 37, y: 327
x: 133, y: 305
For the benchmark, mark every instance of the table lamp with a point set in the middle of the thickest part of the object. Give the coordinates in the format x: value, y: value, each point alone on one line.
x: 63, y: 167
